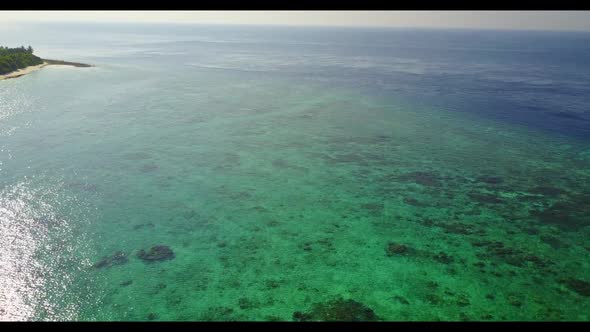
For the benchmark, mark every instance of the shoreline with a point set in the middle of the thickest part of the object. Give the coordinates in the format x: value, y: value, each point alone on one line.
x: 46, y: 62
x: 22, y: 71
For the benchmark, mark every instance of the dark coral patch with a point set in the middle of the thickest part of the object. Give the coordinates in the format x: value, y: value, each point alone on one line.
x: 395, y: 249
x: 156, y: 253
x: 218, y: 314
x: 554, y: 242
x: 547, y: 191
x: 569, y: 215
x: 433, y: 299
x: 458, y: 228
x: 579, y: 286
x: 259, y: 209
x: 512, y: 256
x: 515, y: 299
x: 423, y: 178
x: 307, y: 246
x: 117, y: 258
x: 301, y: 316
x: 401, y: 299
x: 246, y: 303
x: 479, y: 264
x: 443, y: 257
x: 147, y: 225
x: 272, y: 284
x: 532, y: 231
x: 536, y: 260
x: 338, y: 310
x: 463, y: 300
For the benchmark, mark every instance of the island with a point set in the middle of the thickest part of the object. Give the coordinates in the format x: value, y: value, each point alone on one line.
x: 19, y: 61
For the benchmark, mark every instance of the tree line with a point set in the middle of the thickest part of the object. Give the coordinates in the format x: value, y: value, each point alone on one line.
x: 12, y: 59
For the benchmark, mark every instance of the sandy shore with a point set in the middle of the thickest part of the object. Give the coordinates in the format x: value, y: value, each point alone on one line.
x: 22, y: 71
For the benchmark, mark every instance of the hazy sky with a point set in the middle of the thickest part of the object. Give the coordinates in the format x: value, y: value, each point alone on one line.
x: 534, y: 20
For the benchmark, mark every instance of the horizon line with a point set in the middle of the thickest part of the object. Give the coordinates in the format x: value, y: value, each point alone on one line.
x: 415, y: 27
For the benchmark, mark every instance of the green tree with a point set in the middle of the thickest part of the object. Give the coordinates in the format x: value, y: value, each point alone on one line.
x: 12, y: 59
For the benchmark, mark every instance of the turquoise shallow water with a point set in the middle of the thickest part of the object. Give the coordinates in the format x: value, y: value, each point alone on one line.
x: 288, y: 185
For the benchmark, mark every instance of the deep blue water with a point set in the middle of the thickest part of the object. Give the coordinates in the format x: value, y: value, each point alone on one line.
x: 537, y: 79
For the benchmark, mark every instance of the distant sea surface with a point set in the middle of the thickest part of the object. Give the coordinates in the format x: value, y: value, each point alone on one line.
x: 289, y: 173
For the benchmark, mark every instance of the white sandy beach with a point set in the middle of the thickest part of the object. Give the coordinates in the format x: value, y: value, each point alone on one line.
x: 22, y: 71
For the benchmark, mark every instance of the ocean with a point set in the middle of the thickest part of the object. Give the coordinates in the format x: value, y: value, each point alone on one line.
x: 276, y: 173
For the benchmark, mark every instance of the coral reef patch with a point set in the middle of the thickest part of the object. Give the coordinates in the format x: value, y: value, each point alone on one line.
x: 429, y: 179
x: 156, y: 253
x: 579, y: 286
x: 338, y: 310
x: 118, y: 258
